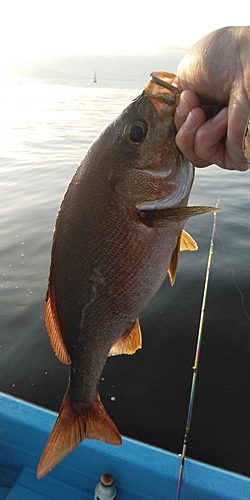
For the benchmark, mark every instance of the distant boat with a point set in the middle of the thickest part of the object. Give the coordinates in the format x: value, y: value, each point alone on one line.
x: 95, y: 80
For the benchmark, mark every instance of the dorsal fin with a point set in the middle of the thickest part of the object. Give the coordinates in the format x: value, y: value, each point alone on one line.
x: 129, y: 342
x: 187, y: 242
x: 53, y: 327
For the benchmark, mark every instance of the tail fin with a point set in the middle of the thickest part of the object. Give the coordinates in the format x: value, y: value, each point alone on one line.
x: 71, y: 427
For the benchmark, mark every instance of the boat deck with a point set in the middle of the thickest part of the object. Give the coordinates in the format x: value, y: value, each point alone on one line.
x: 141, y: 472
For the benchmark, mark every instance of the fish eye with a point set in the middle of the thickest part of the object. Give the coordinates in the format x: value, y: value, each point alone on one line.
x: 134, y: 133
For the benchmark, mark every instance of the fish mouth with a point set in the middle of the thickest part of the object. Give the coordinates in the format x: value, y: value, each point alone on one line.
x: 163, y: 78
x: 163, y: 95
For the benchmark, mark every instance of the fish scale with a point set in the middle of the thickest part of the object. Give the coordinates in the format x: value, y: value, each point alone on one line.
x: 118, y: 232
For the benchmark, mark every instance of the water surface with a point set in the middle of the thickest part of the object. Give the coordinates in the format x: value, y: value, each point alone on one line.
x: 46, y: 128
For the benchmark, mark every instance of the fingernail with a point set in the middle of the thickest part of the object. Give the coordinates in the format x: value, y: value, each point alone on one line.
x: 220, y: 117
x: 183, y: 107
x: 190, y: 123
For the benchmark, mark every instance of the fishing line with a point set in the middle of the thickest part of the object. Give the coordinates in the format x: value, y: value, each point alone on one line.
x: 196, y: 360
x: 234, y: 281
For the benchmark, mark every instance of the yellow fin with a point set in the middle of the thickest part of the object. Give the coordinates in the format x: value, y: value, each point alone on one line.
x: 129, y: 342
x: 73, y: 424
x: 174, y: 262
x: 54, y: 330
x: 187, y: 242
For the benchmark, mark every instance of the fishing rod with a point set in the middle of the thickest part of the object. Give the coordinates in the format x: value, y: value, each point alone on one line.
x: 196, y: 360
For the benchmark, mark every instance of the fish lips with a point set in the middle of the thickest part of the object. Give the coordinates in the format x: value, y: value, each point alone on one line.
x: 162, y: 93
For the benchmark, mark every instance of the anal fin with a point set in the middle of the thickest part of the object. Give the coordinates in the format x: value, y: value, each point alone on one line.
x: 53, y: 327
x: 129, y: 342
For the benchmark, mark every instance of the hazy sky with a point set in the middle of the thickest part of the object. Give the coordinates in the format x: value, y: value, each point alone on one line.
x: 34, y: 28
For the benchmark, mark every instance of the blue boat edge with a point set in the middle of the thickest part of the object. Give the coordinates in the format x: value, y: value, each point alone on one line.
x: 141, y: 471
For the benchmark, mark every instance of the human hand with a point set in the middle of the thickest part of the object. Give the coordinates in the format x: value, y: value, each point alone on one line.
x: 215, y: 69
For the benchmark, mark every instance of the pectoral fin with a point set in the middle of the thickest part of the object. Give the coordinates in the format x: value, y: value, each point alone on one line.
x: 129, y: 342
x: 53, y: 327
x: 162, y: 217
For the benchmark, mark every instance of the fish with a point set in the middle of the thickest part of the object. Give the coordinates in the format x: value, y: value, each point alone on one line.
x: 118, y: 233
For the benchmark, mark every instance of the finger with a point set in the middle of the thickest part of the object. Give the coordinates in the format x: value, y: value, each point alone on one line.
x: 188, y: 101
x: 204, y: 143
x: 212, y: 143
x: 238, y: 114
x: 209, y: 142
x: 186, y: 137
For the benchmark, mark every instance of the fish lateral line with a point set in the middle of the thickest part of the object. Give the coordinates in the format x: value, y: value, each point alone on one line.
x: 162, y: 217
x: 109, y: 178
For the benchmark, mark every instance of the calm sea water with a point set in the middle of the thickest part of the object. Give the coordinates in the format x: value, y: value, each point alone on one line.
x: 46, y: 128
